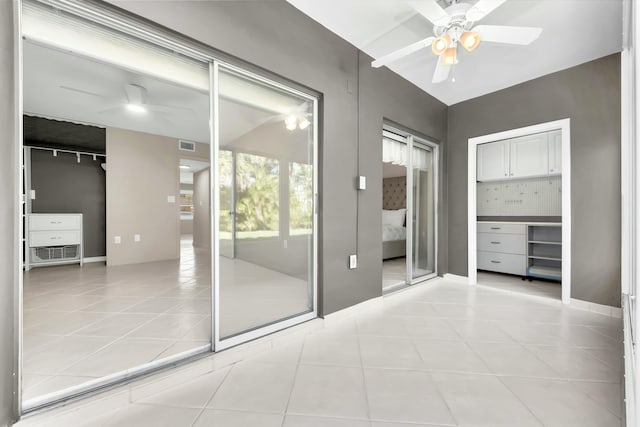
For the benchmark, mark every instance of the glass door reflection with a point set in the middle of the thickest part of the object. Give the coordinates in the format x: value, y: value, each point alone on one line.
x: 423, y: 213
x: 266, y: 197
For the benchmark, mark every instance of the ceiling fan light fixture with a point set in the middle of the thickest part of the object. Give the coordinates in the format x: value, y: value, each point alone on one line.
x: 136, y: 108
x: 303, y: 123
x: 449, y: 56
x: 470, y: 40
x: 441, y: 44
x: 291, y: 122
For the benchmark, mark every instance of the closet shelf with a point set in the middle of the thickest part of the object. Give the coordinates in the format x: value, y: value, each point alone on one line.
x: 548, y: 258
x: 545, y: 271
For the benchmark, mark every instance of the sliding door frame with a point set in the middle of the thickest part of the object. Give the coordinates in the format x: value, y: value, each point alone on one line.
x: 218, y: 342
x: 410, y: 140
x: 115, y: 19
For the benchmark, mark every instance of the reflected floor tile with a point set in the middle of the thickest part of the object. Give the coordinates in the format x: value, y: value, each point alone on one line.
x: 559, y: 403
x: 122, y: 354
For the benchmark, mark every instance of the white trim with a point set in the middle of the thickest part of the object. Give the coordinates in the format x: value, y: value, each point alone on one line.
x: 605, y: 310
x: 564, y: 125
x: 456, y: 278
x: 94, y: 259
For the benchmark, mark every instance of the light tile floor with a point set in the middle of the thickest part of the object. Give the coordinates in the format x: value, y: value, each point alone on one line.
x: 439, y: 354
x: 507, y: 282
x: 394, y: 273
x: 84, y: 323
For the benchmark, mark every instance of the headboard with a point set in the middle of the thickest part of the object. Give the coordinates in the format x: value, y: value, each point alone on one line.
x: 394, y: 193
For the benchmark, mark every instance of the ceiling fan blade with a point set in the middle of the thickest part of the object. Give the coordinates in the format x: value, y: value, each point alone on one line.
x: 482, y: 9
x: 431, y: 10
x: 400, y: 53
x: 168, y: 108
x: 442, y: 71
x: 111, y: 110
x: 506, y: 34
x: 80, y: 91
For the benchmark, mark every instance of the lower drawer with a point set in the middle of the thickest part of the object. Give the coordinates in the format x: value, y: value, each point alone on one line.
x: 53, y: 238
x: 502, y: 263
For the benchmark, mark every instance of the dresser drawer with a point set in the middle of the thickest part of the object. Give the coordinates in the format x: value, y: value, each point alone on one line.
x: 55, y: 222
x: 504, y: 243
x: 501, y: 228
x: 53, y: 238
x: 502, y: 263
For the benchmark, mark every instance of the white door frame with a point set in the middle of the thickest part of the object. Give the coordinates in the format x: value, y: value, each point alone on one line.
x: 564, y: 126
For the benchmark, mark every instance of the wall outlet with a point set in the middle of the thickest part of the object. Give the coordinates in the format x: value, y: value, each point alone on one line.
x: 353, y: 261
x: 33, y: 194
x: 117, y: 240
x: 136, y: 237
x: 286, y: 244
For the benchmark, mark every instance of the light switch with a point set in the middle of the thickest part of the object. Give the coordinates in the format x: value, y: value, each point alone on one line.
x: 33, y: 194
x: 353, y: 262
x: 136, y: 237
x: 117, y: 240
x: 171, y: 199
x: 362, y: 183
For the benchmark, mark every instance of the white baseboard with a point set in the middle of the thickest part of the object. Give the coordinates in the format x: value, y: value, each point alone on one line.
x: 605, y: 310
x: 456, y: 278
x: 95, y: 259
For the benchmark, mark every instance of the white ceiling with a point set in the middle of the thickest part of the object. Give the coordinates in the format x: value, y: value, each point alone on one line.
x: 69, y: 86
x: 574, y: 32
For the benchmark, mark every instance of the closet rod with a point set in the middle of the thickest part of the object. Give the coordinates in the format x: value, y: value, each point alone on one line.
x: 58, y: 150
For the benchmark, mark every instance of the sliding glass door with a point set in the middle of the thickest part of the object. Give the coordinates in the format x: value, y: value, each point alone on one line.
x: 423, y: 212
x: 409, y: 226
x: 266, y: 219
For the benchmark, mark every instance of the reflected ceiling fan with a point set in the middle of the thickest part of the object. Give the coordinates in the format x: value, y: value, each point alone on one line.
x: 135, y: 100
x: 456, y: 26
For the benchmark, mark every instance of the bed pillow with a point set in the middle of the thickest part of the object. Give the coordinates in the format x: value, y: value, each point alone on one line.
x: 394, y: 218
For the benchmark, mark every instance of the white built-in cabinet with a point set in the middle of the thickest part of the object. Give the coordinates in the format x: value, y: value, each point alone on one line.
x: 527, y: 156
x: 493, y: 161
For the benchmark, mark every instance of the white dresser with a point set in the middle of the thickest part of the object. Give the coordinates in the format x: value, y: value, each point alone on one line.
x: 53, y: 239
x: 502, y: 247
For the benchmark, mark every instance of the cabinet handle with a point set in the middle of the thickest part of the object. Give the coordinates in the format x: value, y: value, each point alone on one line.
x: 496, y: 228
x: 495, y: 243
x: 496, y: 262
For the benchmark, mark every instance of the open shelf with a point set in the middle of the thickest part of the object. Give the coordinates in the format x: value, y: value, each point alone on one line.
x: 545, y: 242
x: 549, y: 258
x: 545, y: 271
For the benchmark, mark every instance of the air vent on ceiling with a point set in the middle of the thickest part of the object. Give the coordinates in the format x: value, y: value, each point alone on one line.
x: 187, y: 145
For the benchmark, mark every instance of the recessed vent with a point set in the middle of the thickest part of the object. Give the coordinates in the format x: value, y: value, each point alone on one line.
x: 187, y: 145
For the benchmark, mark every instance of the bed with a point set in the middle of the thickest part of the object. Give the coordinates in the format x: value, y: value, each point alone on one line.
x: 394, y: 233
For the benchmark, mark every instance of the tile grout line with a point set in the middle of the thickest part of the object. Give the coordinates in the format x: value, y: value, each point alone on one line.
x: 293, y: 381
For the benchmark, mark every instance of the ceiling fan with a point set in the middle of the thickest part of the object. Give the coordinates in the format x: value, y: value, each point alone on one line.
x: 135, y: 101
x: 455, y: 26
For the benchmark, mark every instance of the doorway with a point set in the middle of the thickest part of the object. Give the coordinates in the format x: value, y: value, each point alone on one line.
x: 533, y: 246
x: 409, y: 208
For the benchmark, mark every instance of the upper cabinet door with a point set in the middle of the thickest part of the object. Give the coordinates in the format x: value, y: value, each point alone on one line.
x: 493, y: 161
x: 529, y: 156
x: 555, y: 152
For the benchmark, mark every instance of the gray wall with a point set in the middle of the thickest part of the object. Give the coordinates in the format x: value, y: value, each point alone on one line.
x: 9, y: 172
x: 277, y: 37
x: 589, y: 95
x: 63, y: 185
